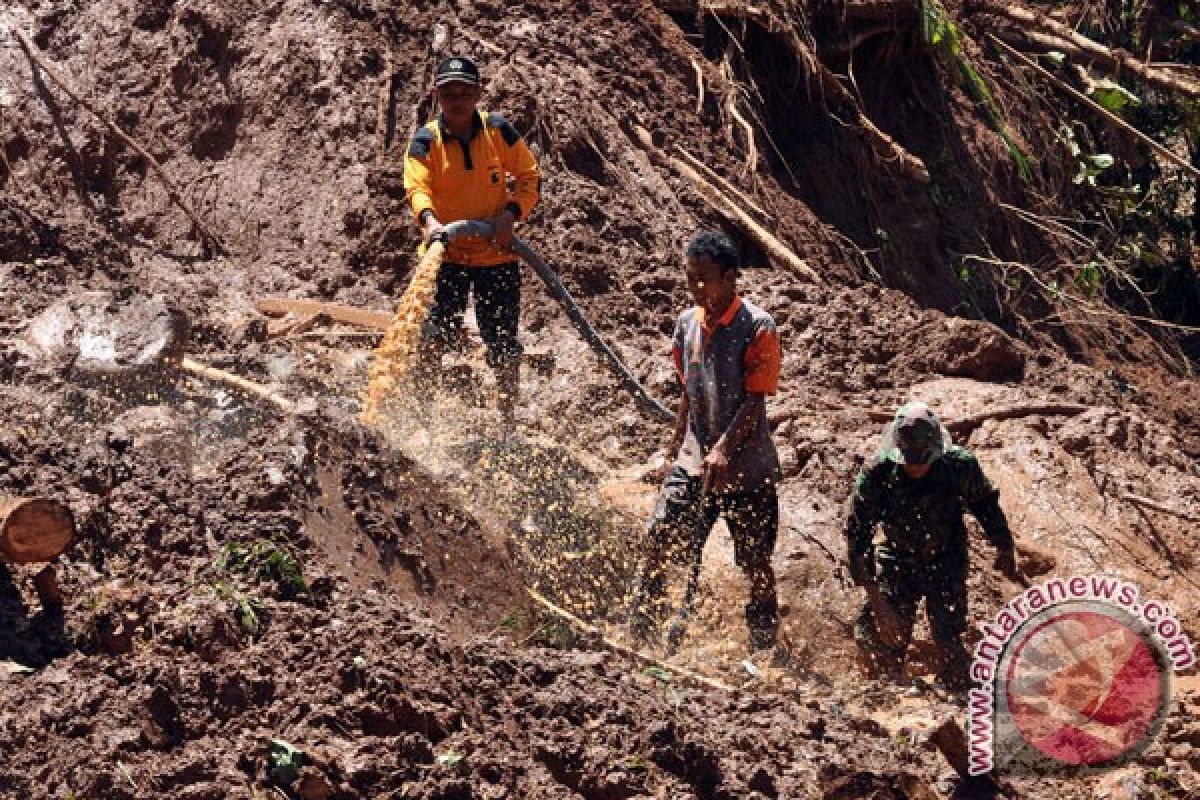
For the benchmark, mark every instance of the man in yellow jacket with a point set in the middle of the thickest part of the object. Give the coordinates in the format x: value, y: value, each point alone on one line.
x: 458, y: 167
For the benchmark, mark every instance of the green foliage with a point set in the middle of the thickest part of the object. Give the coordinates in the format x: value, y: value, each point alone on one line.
x: 286, y: 760
x: 942, y: 38
x: 1113, y: 96
x: 266, y: 561
x: 659, y: 673
x: 1088, y: 166
x: 247, y: 608
x: 1090, y: 279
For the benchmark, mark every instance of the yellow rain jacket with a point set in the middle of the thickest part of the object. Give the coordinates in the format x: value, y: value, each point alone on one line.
x: 469, y: 180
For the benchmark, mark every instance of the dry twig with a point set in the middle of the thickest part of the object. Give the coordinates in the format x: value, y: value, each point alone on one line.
x: 592, y: 631
x: 173, y: 192
x: 1099, y: 109
x: 1080, y: 46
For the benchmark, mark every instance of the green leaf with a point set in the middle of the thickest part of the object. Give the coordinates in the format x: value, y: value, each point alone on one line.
x: 286, y: 760
x: 1101, y: 161
x: 1055, y: 56
x: 660, y: 673
x: 450, y: 758
x: 1113, y: 96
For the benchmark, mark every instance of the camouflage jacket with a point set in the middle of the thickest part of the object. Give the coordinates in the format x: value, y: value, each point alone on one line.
x: 921, y: 518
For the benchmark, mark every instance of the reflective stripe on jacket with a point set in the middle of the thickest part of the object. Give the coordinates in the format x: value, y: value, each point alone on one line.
x: 469, y: 180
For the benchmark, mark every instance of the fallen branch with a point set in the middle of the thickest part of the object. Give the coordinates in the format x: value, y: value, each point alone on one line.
x: 748, y: 131
x: 964, y: 426
x: 1096, y: 107
x: 616, y: 647
x: 721, y: 183
x: 383, y: 109
x: 237, y: 382
x: 1146, y: 502
x: 173, y: 193
x: 761, y: 236
x: 886, y: 149
x: 337, y: 312
x: 699, y: 86
x: 1114, y: 61
x: 294, y: 324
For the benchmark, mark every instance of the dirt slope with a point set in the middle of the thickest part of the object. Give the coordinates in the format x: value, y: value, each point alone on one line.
x: 360, y: 594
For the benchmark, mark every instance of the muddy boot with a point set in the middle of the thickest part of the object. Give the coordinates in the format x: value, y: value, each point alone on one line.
x: 45, y: 583
x: 955, y: 667
x: 875, y: 658
x: 762, y: 622
x: 508, y: 386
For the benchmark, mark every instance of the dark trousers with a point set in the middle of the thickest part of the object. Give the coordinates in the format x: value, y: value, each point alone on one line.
x: 497, y: 309
x: 681, y: 525
x: 944, y: 589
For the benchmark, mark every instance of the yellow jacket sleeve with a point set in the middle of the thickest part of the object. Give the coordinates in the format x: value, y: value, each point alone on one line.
x: 418, y: 180
x: 526, y: 182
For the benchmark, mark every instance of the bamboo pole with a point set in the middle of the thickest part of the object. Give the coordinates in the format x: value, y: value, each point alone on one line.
x: 1094, y: 106
x: 761, y: 236
x: 237, y: 382
x: 620, y: 649
x: 716, y: 178
x: 173, y: 192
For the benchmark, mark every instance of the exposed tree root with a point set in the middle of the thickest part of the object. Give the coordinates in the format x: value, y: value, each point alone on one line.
x: 717, y: 200
x: 1146, y: 502
x: 1081, y: 47
x: 1108, y: 116
x: 962, y: 427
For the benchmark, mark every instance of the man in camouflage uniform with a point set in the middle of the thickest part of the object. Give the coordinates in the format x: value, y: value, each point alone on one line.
x: 915, y: 491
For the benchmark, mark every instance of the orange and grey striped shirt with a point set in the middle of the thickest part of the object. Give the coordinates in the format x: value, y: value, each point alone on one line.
x: 719, y: 364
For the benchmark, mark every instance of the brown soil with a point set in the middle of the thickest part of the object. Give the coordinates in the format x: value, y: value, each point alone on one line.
x: 405, y: 658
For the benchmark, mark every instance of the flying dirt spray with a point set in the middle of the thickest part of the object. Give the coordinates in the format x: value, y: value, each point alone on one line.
x: 397, y: 353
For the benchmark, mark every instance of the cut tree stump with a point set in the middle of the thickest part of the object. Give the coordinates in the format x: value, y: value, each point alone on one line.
x: 33, y: 529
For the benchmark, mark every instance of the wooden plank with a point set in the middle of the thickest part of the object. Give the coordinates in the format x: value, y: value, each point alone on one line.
x: 339, y: 312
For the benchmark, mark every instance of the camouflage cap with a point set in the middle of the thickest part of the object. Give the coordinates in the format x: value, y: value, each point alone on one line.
x: 917, y: 436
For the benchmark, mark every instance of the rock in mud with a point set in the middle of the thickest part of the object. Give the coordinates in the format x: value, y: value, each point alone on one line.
x: 97, y: 338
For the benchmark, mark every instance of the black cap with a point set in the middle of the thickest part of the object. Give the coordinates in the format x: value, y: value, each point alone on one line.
x: 456, y: 69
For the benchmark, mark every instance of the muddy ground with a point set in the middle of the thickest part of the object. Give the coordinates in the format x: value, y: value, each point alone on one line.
x: 242, y: 577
